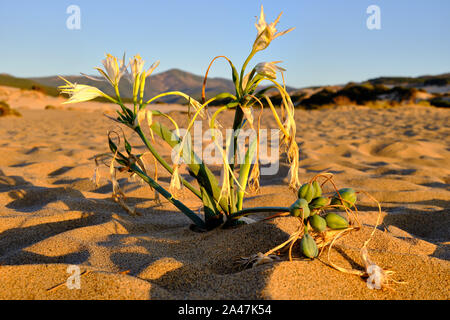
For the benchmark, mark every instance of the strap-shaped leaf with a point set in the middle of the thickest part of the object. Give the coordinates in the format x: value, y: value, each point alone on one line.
x: 127, y: 145
x: 235, y: 76
x: 188, y: 212
x: 245, y: 170
x: 112, y: 145
x: 213, y: 217
x: 197, y: 168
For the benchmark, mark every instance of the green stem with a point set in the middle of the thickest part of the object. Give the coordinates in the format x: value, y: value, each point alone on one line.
x: 245, y: 171
x: 116, y: 89
x: 238, y: 116
x: 243, y: 69
x: 198, y: 169
x: 188, y: 212
x: 171, y: 93
x: 164, y: 162
x: 247, y: 211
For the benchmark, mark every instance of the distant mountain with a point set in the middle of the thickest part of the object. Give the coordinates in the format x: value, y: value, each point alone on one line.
x: 26, y: 84
x: 379, y: 92
x: 437, y: 84
x: 191, y: 84
x: 427, y: 80
x: 171, y: 80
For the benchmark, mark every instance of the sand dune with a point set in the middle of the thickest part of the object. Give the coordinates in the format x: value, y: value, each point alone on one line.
x: 52, y: 216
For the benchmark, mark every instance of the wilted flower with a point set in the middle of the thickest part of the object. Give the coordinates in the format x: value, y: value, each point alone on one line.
x: 175, y: 182
x: 266, y: 32
x: 80, y: 92
x: 96, y: 177
x: 268, y: 69
x: 257, y: 259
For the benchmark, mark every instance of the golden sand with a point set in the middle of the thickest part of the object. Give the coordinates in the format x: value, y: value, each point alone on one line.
x: 52, y: 216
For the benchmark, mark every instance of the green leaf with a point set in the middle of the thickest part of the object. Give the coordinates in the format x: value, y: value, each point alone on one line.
x: 120, y: 117
x: 127, y: 146
x: 225, y: 95
x: 122, y: 162
x: 260, y: 93
x: 188, y: 212
x: 232, y: 105
x: 235, y: 76
x: 197, y: 168
x: 245, y: 170
x: 164, y: 162
x: 213, y: 217
x: 112, y: 145
x: 253, y: 85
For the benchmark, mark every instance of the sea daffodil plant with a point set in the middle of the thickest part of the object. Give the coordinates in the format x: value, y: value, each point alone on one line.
x: 222, y: 202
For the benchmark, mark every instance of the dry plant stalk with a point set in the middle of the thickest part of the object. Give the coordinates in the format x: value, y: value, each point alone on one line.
x: 377, y: 278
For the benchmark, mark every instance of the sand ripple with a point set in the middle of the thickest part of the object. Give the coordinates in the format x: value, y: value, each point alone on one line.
x: 52, y: 216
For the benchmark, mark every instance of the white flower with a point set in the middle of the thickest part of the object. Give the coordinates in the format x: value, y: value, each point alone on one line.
x: 80, y: 92
x: 266, y: 32
x: 114, y: 69
x: 136, y: 67
x: 268, y: 69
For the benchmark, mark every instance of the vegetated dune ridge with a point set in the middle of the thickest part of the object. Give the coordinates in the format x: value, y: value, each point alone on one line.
x: 52, y: 216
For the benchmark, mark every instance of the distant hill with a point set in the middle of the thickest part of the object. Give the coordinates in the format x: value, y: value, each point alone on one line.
x: 427, y: 80
x: 27, y: 84
x: 171, y: 80
x: 191, y: 84
x: 436, y: 84
x: 379, y: 92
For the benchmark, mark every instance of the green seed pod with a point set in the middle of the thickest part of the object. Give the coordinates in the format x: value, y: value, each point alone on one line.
x: 306, y: 192
x: 309, y: 247
x: 298, y: 206
x: 318, y: 203
x: 347, y: 194
x: 317, y: 222
x: 306, y: 210
x: 317, y: 188
x: 335, y: 221
x: 295, y: 209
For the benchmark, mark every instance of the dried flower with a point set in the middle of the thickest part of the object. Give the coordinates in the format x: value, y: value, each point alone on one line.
x: 268, y: 69
x: 175, y: 182
x: 96, y: 177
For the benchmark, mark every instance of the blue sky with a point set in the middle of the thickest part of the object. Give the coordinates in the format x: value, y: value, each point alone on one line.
x: 330, y: 45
